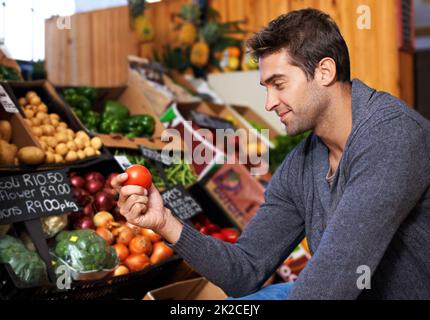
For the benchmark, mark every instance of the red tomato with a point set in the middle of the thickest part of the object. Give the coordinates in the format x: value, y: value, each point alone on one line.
x: 138, y: 175
x: 230, y: 231
x: 218, y: 236
x: 213, y: 228
x: 204, y: 230
x: 232, y: 238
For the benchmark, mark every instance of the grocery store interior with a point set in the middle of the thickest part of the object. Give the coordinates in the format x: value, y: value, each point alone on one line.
x: 88, y: 88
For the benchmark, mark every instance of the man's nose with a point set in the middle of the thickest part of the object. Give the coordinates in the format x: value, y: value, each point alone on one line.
x: 272, y: 101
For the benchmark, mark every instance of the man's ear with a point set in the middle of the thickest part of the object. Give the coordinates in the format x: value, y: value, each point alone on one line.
x: 325, y: 72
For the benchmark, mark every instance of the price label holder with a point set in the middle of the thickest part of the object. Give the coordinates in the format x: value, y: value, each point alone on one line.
x: 211, y: 122
x: 123, y: 162
x: 182, y: 204
x: 155, y: 155
x: 7, y: 102
x: 28, y: 197
x: 34, y: 195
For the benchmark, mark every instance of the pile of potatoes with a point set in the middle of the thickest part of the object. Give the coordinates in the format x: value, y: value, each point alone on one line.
x: 11, y: 155
x: 60, y: 143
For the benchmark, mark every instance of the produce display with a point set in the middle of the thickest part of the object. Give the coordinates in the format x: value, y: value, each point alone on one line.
x: 84, y: 251
x: 59, y: 143
x: 11, y: 155
x: 206, y: 227
x: 115, y: 117
x: 177, y: 173
x: 136, y: 248
x: 283, y: 145
x: 8, y: 74
x: 26, y: 264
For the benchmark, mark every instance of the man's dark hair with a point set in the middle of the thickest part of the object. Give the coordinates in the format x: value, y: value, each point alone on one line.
x: 309, y: 35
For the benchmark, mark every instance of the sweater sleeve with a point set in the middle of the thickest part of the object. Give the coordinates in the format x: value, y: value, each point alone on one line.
x: 242, y: 268
x: 388, y: 173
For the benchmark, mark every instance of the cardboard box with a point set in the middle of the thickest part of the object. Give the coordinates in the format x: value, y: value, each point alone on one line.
x: 195, y: 289
x: 237, y: 192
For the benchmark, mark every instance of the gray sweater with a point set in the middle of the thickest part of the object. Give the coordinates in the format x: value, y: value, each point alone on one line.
x: 376, y: 214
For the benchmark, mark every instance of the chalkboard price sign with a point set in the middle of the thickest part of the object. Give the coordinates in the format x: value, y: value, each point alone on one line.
x: 181, y: 202
x: 154, y: 155
x: 34, y: 195
x: 210, y: 122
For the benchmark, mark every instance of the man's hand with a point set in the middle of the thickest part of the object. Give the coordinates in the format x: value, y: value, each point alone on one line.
x: 145, y: 209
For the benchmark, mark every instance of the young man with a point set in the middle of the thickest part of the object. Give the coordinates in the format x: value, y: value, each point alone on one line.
x: 358, y: 187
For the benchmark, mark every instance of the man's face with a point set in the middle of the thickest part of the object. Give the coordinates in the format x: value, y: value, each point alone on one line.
x: 299, y: 102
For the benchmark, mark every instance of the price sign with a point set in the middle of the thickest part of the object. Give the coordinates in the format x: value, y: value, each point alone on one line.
x: 123, y: 162
x: 34, y: 195
x: 181, y: 202
x: 206, y: 121
x: 155, y: 155
x: 7, y: 102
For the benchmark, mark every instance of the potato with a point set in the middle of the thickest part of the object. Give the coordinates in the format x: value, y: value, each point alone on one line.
x: 43, y: 145
x: 83, y: 135
x: 89, y: 152
x: 5, y: 130
x: 52, y: 142
x: 36, y: 122
x: 37, y: 131
x: 58, y: 158
x: 61, y: 137
x: 48, y: 130
x: 51, y: 149
x: 30, y: 94
x: 81, y: 154
x: 70, y: 133
x: 31, y: 155
x: 98, y: 152
x: 46, y: 120
x: 42, y: 108
x: 63, y: 125
x: 96, y: 143
x: 54, y: 122
x: 28, y: 113
x: 50, y: 158
x: 71, y: 145
x: 22, y: 101
x: 61, y: 149
x: 41, y: 115
x: 54, y: 116
x: 7, y: 153
x: 80, y: 144
x: 87, y: 143
x: 35, y: 101
x: 71, y: 156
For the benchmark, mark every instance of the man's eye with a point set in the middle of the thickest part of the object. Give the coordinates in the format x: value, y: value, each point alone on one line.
x: 278, y: 86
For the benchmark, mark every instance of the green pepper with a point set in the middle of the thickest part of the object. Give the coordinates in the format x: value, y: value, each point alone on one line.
x: 117, y: 126
x: 105, y: 126
x: 142, y: 125
x: 79, y: 102
x: 116, y: 110
x: 92, y: 119
x: 78, y: 113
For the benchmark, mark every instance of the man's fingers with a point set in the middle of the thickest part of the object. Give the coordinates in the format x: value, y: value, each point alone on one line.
x: 117, y: 182
x: 133, y: 199
x: 136, y: 211
x: 127, y: 191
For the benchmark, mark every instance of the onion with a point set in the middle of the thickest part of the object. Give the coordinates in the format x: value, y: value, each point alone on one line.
x: 117, y: 215
x: 84, y: 223
x: 104, y: 201
x: 105, y: 234
x: 103, y: 219
x: 88, y: 210
x: 72, y: 173
x: 82, y: 196
x: 94, y: 186
x: 113, y: 192
x: 77, y: 181
x: 94, y: 175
